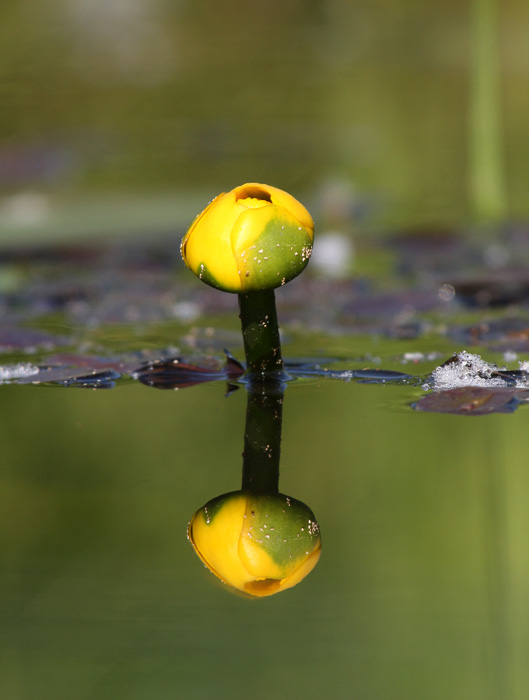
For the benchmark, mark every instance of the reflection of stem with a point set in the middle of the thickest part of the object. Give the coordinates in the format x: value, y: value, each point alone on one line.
x: 260, y: 333
x: 262, y: 442
x: 498, y: 577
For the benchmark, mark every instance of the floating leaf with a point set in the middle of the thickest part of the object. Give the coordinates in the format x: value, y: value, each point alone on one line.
x: 178, y: 374
x: 379, y: 376
x: 74, y: 377
x: 303, y: 370
x: 94, y: 380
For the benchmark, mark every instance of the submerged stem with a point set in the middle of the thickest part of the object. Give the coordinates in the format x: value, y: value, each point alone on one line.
x: 260, y: 334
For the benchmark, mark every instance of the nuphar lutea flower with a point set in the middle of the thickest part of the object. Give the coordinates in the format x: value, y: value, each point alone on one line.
x: 257, y: 543
x: 253, y: 238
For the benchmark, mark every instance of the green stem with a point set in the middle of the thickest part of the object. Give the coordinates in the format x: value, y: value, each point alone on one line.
x: 262, y: 442
x: 261, y: 334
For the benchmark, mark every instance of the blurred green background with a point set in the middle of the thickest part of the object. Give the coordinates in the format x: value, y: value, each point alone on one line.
x: 125, y: 114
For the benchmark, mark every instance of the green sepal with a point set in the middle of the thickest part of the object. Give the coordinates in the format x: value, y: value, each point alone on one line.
x: 284, y: 527
x: 278, y: 255
x: 213, y: 507
x: 205, y: 275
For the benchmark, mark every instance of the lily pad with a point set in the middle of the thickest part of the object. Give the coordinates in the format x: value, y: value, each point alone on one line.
x: 176, y: 373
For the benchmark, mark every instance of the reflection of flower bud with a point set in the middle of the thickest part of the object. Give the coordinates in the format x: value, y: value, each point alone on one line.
x: 258, y: 543
x: 253, y: 238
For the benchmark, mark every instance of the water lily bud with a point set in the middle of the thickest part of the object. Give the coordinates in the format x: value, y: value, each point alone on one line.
x: 258, y: 543
x: 253, y: 238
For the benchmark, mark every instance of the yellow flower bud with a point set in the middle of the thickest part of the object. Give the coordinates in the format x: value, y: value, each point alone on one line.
x: 253, y: 238
x: 257, y: 543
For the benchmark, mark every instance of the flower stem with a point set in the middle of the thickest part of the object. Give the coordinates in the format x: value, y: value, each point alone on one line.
x: 262, y: 442
x: 261, y: 335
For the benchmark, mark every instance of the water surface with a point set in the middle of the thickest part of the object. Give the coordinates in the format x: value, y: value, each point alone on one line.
x: 420, y: 590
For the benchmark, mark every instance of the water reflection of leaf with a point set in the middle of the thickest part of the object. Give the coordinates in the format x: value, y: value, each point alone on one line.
x: 472, y: 401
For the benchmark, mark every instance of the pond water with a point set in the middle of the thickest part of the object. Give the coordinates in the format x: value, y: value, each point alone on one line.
x: 421, y: 588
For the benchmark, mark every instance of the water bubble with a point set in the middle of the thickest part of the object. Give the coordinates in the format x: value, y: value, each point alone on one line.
x: 446, y: 292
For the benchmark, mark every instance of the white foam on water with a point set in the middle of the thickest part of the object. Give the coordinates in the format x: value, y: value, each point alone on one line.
x: 467, y: 370
x: 19, y: 371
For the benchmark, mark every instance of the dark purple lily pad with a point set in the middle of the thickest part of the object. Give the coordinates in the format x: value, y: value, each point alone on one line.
x: 68, y: 376
x: 92, y: 363
x: 69, y: 369
x: 379, y: 376
x: 175, y: 373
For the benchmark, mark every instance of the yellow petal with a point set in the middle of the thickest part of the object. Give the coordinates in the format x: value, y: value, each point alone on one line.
x: 304, y: 568
x: 256, y: 559
x: 216, y: 542
x: 206, y: 248
x: 295, y: 208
